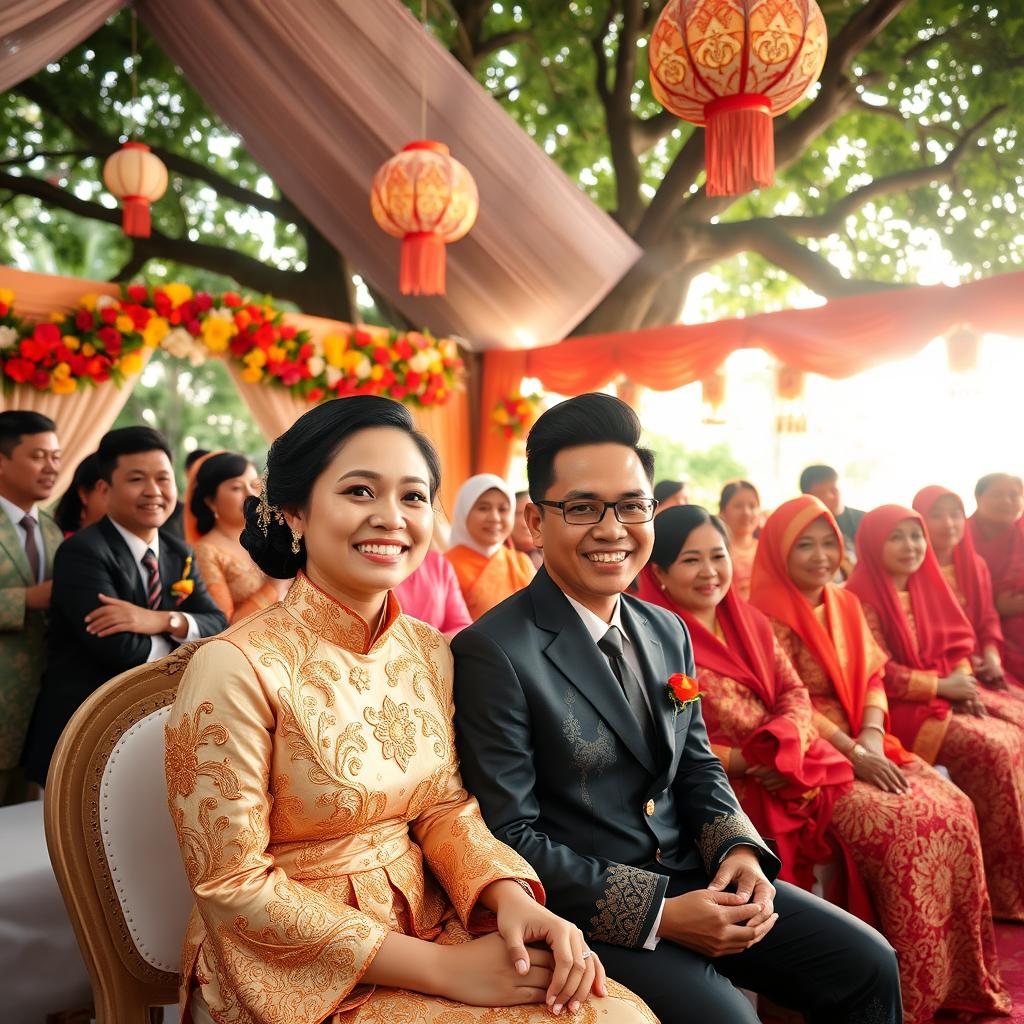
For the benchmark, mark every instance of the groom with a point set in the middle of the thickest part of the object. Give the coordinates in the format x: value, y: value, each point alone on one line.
x: 584, y: 764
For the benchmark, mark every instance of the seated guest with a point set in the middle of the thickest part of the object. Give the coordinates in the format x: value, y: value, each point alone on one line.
x: 928, y: 643
x: 124, y: 591
x: 488, y: 570
x: 823, y: 483
x: 349, y: 876
x: 520, y: 537
x: 968, y: 577
x: 904, y: 823
x: 176, y: 520
x: 431, y: 593
x: 29, y: 463
x: 668, y: 494
x: 84, y: 502
x: 595, y: 767
x: 219, y: 483
x: 997, y: 530
x: 740, y: 509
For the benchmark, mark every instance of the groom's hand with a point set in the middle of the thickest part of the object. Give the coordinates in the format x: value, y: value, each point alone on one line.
x: 741, y: 868
x: 713, y: 923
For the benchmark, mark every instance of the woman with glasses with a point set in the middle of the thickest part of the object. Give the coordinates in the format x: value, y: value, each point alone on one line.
x: 488, y: 569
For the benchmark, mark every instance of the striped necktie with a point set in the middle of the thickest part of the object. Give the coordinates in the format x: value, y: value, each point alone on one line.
x: 28, y: 524
x: 153, y: 584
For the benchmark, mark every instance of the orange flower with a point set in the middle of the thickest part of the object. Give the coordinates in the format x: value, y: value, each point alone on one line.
x: 682, y: 690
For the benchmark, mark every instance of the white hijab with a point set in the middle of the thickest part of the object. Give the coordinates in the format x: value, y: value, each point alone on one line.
x: 469, y: 494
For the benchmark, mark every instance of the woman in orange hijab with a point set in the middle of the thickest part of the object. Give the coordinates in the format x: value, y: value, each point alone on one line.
x: 928, y: 643
x: 914, y: 835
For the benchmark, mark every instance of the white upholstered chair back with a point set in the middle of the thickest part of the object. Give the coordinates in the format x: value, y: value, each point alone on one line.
x: 112, y: 841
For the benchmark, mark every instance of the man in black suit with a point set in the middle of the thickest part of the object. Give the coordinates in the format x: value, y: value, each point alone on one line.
x: 582, y: 762
x: 124, y: 591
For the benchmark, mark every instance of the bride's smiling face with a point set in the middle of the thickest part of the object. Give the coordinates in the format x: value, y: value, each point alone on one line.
x: 368, y: 521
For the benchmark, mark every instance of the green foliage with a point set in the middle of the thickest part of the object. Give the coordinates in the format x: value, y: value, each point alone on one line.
x: 704, y: 471
x: 194, y: 407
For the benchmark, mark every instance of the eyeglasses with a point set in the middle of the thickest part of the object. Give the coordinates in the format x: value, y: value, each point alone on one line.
x: 587, y: 512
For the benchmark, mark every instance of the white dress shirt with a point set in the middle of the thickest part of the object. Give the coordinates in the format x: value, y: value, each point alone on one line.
x: 160, y: 644
x: 597, y: 627
x: 16, y: 514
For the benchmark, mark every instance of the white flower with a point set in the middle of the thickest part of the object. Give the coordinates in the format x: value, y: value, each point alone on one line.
x: 419, y: 362
x: 333, y: 376
x: 222, y: 313
x: 102, y: 301
x: 8, y: 336
x: 363, y: 369
x: 316, y: 365
x: 197, y: 356
x: 179, y: 343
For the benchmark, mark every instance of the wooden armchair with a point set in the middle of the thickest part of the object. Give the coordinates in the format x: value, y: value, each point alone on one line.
x: 112, y: 843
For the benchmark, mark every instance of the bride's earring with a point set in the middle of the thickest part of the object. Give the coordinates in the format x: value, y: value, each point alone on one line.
x: 296, y: 540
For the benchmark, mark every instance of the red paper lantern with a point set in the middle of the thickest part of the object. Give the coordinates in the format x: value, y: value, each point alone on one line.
x: 135, y: 176
x: 428, y: 199
x: 712, y: 393
x: 790, y: 387
x: 733, y: 65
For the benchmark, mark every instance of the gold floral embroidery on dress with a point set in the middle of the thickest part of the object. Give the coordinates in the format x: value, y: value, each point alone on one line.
x: 182, y: 743
x: 394, y: 731
x: 714, y: 834
x: 622, y: 909
x: 359, y: 678
x: 328, y: 619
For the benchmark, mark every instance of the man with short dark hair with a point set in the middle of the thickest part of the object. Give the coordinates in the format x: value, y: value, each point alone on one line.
x: 823, y: 482
x: 125, y: 591
x: 669, y: 493
x: 29, y: 463
x: 578, y: 737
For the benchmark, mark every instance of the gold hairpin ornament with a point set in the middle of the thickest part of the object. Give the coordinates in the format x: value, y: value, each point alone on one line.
x: 266, y: 513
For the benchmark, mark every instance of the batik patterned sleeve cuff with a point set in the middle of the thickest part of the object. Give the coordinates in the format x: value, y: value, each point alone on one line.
x: 628, y: 907
x: 719, y: 836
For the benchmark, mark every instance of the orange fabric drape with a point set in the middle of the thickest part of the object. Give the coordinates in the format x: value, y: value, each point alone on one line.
x: 84, y: 417
x: 503, y: 372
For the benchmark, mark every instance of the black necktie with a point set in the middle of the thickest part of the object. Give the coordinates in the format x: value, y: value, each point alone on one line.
x: 611, y: 646
x: 28, y: 524
x: 153, y: 584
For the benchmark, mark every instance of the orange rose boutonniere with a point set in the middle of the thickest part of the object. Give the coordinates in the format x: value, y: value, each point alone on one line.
x: 682, y: 690
x: 183, y: 588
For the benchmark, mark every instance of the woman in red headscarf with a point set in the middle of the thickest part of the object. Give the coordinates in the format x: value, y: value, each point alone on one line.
x: 913, y: 835
x: 967, y: 575
x: 936, y: 705
x: 997, y: 529
x: 798, y: 787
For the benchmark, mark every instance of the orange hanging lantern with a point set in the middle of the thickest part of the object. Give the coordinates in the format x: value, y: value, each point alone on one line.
x: 712, y: 393
x: 137, y: 177
x: 428, y: 199
x: 790, y: 386
x: 731, y: 66
x: 962, y: 347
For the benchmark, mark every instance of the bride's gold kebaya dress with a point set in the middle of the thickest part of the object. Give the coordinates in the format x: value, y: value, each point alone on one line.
x: 314, y: 786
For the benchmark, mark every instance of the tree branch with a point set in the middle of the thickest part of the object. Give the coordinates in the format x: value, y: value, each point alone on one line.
x: 136, y: 261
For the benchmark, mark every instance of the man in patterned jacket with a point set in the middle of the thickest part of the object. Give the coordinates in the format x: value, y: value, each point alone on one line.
x: 583, y: 763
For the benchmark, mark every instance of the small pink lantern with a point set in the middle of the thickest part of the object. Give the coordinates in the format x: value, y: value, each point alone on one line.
x: 428, y: 199
x: 137, y: 177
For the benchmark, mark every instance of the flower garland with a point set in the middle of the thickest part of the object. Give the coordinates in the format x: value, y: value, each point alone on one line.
x: 515, y: 414
x: 108, y: 339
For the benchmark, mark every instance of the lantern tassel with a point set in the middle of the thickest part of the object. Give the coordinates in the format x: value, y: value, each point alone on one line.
x: 740, y: 144
x: 423, y: 264
x: 135, y: 221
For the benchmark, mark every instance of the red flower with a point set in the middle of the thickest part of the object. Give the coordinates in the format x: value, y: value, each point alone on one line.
x: 79, y: 364
x: 193, y: 327
x: 413, y: 380
x: 264, y: 336
x: 382, y: 355
x: 315, y: 394
x: 397, y: 392
x: 288, y: 332
x: 19, y: 369
x: 231, y: 299
x: 290, y: 373
x: 138, y: 292
x: 98, y: 369
x: 364, y: 338
x: 108, y: 314
x: 4, y: 309
x: 304, y: 353
x: 41, y: 380
x: 48, y: 334
x: 111, y: 338
x: 202, y: 301
x: 682, y: 690
x: 84, y: 320
x: 240, y: 344
x: 161, y: 303
x: 32, y: 349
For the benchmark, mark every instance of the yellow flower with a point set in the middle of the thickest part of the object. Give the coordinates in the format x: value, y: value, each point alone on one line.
x: 334, y: 350
x: 177, y: 293
x: 217, y: 332
x: 275, y: 354
x: 88, y: 301
x: 131, y: 364
x: 155, y: 331
x: 351, y: 360
x: 71, y: 342
x: 64, y: 387
x: 257, y: 357
x: 125, y: 324
x: 6, y: 296
x: 252, y: 374
x: 61, y: 371
x: 88, y: 349
x: 58, y: 318
x: 377, y: 372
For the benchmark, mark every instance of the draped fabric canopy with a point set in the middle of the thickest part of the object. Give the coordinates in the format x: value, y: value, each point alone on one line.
x: 839, y: 339
x: 322, y: 94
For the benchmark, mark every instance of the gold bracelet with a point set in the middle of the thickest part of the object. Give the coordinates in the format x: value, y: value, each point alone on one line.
x: 877, y: 728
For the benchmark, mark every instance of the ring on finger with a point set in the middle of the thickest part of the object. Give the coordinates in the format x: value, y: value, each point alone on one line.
x: 586, y: 953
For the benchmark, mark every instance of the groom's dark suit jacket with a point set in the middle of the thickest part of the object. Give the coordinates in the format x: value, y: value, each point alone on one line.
x: 96, y: 560
x: 552, y: 751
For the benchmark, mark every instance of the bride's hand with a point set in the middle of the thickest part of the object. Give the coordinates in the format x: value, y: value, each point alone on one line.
x: 577, y: 971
